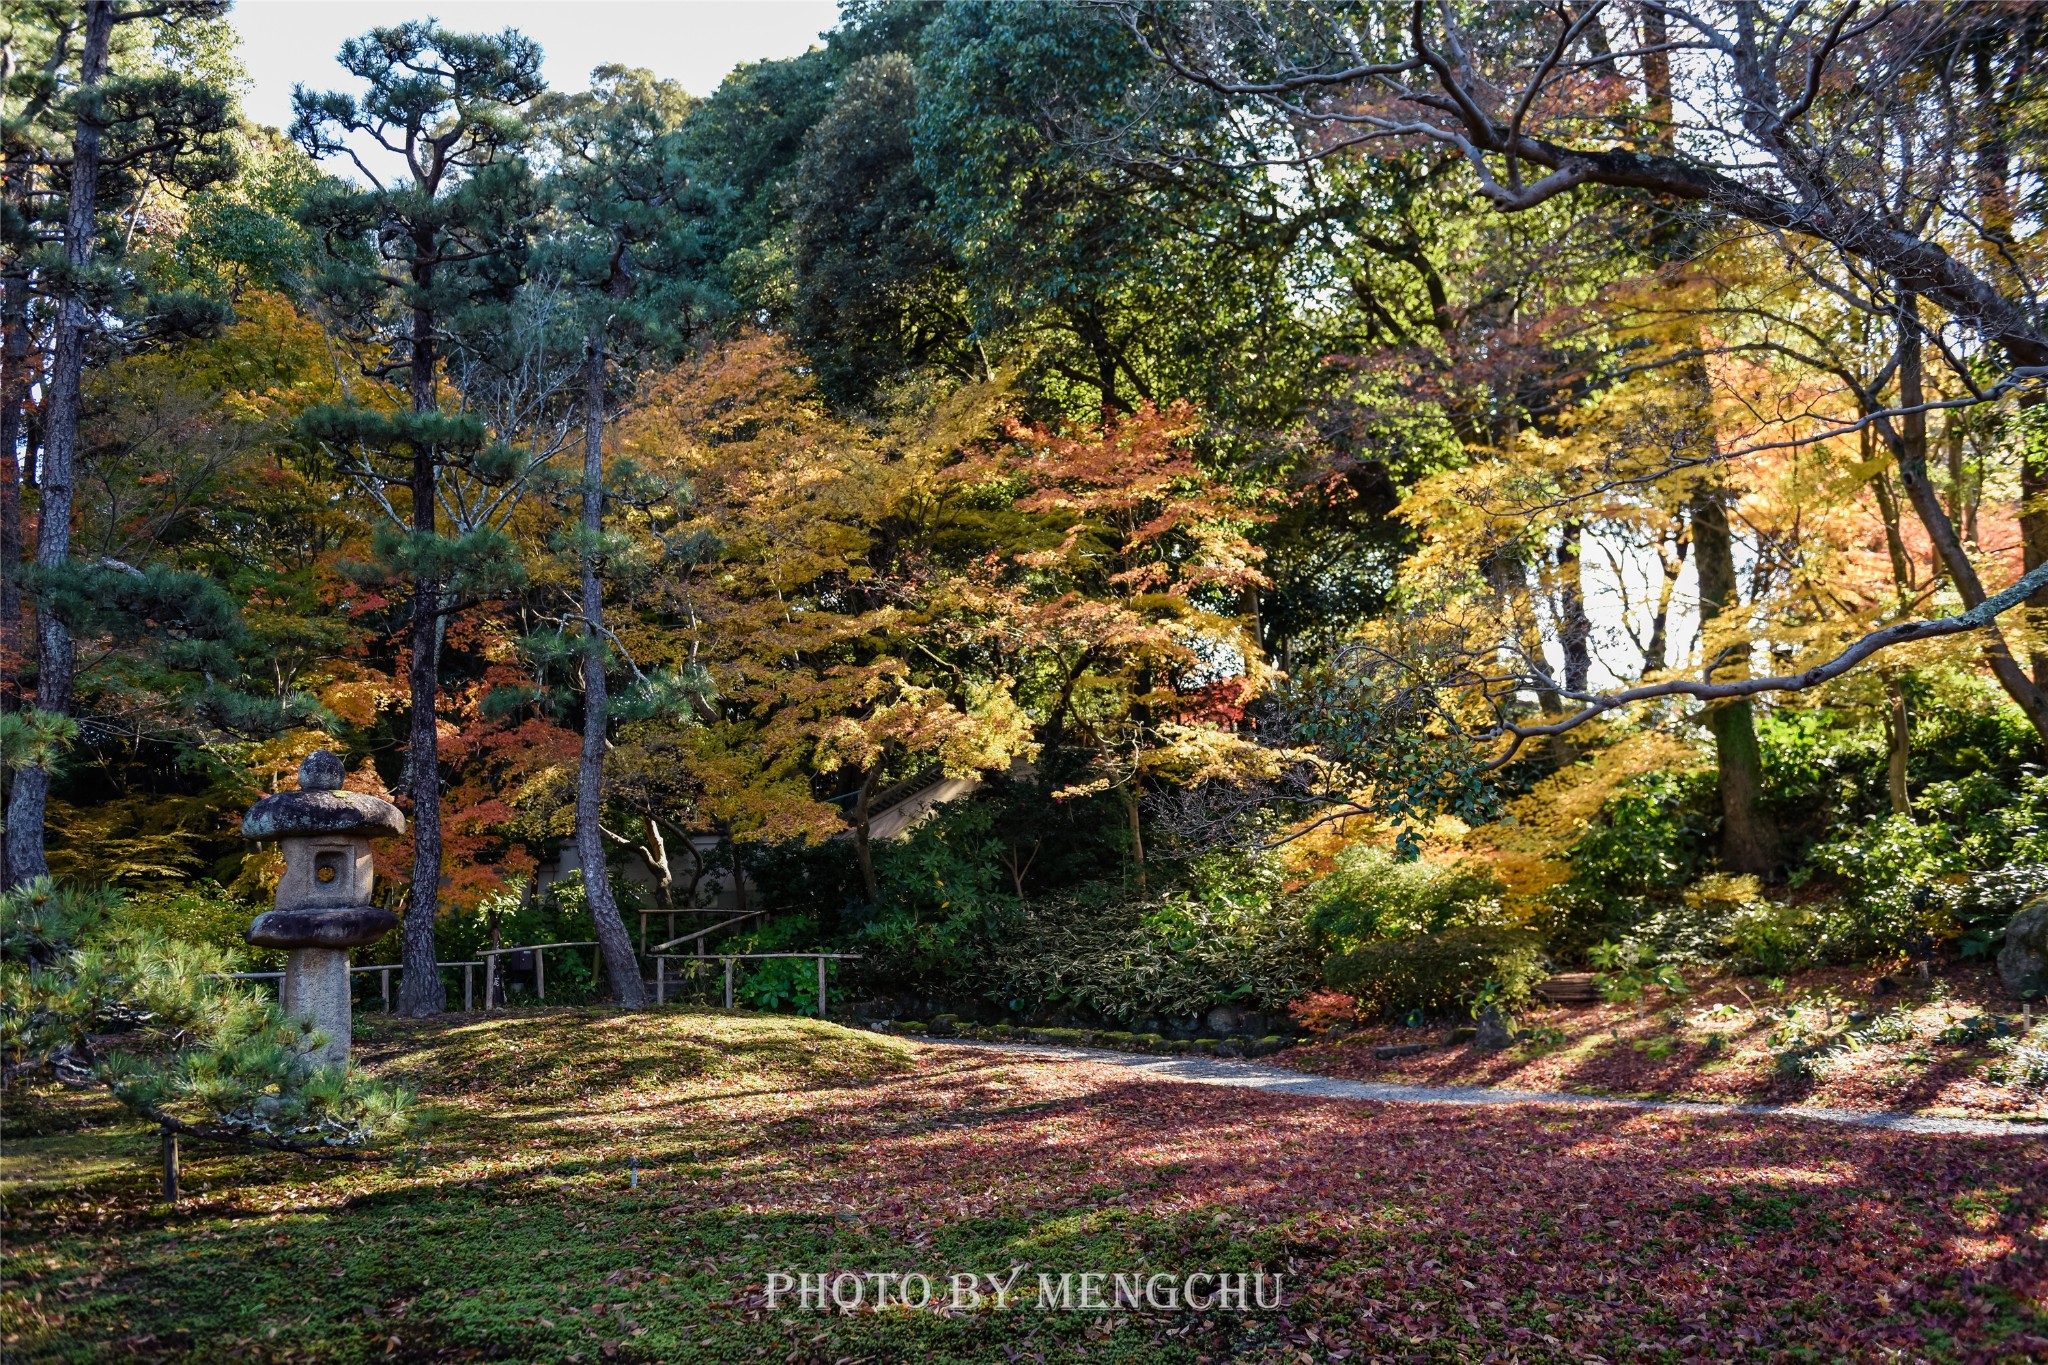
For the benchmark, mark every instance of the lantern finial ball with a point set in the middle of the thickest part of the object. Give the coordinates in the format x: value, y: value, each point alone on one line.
x: 321, y: 772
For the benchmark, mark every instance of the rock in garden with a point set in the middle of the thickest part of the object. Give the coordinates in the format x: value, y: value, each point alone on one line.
x: 1493, y: 1032
x: 1224, y: 1019
x: 2023, y: 960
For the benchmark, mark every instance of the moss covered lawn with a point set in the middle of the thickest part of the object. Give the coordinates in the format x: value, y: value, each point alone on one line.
x: 770, y: 1145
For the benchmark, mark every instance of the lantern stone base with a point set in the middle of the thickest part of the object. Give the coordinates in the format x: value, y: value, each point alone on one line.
x: 316, y: 990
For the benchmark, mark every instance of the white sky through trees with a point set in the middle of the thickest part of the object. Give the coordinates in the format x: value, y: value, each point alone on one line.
x: 694, y: 42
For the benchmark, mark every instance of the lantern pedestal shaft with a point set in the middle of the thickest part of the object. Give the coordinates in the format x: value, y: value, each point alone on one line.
x: 316, y: 990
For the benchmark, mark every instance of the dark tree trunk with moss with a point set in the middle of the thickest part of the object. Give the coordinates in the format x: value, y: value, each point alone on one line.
x: 1748, y: 840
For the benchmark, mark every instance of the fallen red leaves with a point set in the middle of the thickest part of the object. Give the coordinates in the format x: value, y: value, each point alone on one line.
x: 1718, y: 1045
x: 1405, y: 1232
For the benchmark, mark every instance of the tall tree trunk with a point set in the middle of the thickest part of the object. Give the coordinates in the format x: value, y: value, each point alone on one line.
x: 2033, y: 521
x: 1131, y: 807
x: 14, y: 380
x: 1747, y: 838
x: 421, y: 992
x: 1574, y: 627
x: 863, y: 853
x: 1962, y: 498
x: 612, y: 939
x: 56, y: 660
x: 14, y: 353
x: 1655, y: 653
x: 1898, y: 734
x: 1656, y: 63
x: 739, y: 874
x: 1911, y: 457
x: 1508, y: 575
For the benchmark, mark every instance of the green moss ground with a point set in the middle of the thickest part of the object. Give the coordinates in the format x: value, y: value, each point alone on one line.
x: 512, y: 1231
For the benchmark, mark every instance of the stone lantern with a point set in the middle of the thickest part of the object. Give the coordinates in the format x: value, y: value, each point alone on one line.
x: 323, y: 902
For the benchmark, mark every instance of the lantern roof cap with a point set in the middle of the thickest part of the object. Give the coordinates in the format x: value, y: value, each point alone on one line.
x: 321, y: 806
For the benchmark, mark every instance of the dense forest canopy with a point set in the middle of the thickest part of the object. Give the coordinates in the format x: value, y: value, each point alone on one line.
x: 1553, y: 458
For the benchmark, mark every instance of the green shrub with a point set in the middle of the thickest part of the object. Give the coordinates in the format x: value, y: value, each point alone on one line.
x: 1373, y: 894
x: 1767, y: 936
x: 1650, y: 837
x: 88, y: 995
x: 2025, y: 1062
x: 1629, y: 968
x: 201, y: 912
x: 1168, y: 958
x: 1976, y: 1029
x: 1440, y: 973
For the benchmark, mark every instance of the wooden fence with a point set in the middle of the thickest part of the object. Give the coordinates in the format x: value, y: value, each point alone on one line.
x: 661, y: 961
x: 490, y: 958
x: 383, y: 970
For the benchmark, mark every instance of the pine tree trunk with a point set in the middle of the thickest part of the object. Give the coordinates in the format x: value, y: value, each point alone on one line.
x: 421, y: 992
x: 28, y: 803
x: 14, y: 379
x: 620, y: 963
x: 1748, y: 842
x: 14, y: 357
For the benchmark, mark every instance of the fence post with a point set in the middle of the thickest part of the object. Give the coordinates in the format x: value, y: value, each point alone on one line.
x: 660, y: 979
x: 170, y: 1166
x: 384, y: 979
x: 540, y: 975
x: 465, y: 988
x: 821, y: 985
x: 490, y: 979
x: 728, y: 983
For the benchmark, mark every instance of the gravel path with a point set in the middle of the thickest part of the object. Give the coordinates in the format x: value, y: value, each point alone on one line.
x: 1258, y: 1076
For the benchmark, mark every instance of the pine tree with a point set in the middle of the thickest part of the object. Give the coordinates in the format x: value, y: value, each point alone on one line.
x: 401, y: 260
x: 128, y: 129
x: 628, y: 248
